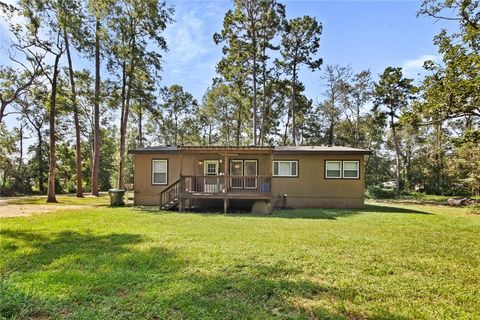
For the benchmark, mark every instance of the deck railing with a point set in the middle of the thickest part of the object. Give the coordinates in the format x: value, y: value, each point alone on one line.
x: 226, y: 184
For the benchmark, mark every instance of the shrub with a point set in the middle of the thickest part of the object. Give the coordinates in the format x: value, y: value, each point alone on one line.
x: 474, y: 209
x: 377, y: 192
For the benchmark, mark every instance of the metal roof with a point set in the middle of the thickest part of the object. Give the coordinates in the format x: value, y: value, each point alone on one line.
x: 256, y: 149
x: 319, y: 149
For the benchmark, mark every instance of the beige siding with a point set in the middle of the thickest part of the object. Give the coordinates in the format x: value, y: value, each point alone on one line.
x: 309, y: 189
x: 147, y: 193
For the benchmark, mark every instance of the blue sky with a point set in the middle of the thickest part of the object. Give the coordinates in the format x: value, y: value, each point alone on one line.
x: 365, y: 34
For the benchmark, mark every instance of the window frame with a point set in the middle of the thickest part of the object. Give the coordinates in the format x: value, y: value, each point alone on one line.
x: 341, y: 169
x: 245, y: 176
x: 342, y: 176
x: 285, y: 176
x: 152, y: 172
x: 358, y: 169
x: 205, y: 167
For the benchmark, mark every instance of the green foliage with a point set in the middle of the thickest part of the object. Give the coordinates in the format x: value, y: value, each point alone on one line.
x: 475, y: 209
x: 378, y: 192
x: 299, y: 47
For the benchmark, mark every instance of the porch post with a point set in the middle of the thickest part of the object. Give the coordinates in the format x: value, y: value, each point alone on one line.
x: 226, y: 173
x: 225, y: 205
x: 181, y: 164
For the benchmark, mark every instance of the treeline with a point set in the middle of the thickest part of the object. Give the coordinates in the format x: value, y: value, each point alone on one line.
x: 424, y: 133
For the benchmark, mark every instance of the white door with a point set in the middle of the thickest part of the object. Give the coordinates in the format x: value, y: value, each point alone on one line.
x: 210, y: 168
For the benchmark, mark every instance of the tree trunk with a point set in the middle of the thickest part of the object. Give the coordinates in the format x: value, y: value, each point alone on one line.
x: 3, y: 106
x: 330, y: 131
x: 254, y: 75
x: 175, y: 136
x: 227, y: 128
x: 293, y: 107
x: 20, y: 158
x: 210, y: 134
x: 397, y: 154
x: 285, y: 134
x: 53, y: 157
x: 239, y: 125
x: 123, y: 133
x: 96, y: 120
x: 264, y: 103
x: 140, y: 129
x: 41, y: 186
x: 78, y: 147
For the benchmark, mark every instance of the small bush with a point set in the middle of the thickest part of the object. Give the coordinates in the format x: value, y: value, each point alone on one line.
x: 377, y: 192
x: 474, y: 209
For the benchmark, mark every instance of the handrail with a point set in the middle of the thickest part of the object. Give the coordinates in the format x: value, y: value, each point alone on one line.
x: 226, y: 184
x: 170, y: 193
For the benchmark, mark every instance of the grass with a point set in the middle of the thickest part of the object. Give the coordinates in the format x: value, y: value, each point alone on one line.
x: 386, y: 261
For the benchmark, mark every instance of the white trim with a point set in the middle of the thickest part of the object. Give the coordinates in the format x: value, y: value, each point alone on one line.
x: 287, y: 161
x: 153, y: 172
x: 340, y: 170
x: 358, y: 169
x: 205, y: 166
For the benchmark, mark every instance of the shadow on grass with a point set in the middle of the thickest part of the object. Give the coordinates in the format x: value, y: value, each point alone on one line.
x: 326, y: 214
x: 119, y: 276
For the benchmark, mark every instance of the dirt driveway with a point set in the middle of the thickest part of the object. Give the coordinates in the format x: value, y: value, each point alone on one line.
x: 8, y: 210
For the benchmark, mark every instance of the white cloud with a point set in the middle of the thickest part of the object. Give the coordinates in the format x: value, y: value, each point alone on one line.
x: 192, y: 54
x: 186, y: 37
x: 414, y: 66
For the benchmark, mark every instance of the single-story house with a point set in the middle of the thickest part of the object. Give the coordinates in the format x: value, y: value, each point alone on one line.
x: 182, y: 177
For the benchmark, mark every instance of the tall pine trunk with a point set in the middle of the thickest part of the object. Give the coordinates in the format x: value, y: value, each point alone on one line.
x: 330, y: 131
x: 397, y: 156
x: 254, y: 75
x: 285, y: 134
x: 96, y: 113
x: 52, y: 169
x: 264, y: 97
x: 140, y: 124
x: 239, y: 125
x: 78, y: 147
x: 293, y: 106
x: 123, y: 126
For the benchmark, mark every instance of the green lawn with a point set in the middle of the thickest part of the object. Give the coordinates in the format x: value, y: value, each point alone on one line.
x: 387, y: 261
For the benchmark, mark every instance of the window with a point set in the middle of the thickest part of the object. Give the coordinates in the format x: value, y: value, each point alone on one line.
x: 211, y: 168
x: 342, y: 169
x: 350, y: 169
x: 333, y: 169
x: 285, y: 168
x: 250, y: 170
x: 159, y: 171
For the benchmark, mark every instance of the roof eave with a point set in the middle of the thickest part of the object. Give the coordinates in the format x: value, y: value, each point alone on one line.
x: 339, y: 152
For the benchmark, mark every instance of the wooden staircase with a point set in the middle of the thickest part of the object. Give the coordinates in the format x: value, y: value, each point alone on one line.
x: 170, y: 197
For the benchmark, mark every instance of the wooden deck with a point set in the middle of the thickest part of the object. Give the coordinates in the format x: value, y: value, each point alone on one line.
x: 228, y: 195
x: 220, y: 187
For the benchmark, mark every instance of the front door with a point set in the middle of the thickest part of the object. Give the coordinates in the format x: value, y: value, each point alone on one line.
x: 210, y: 171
